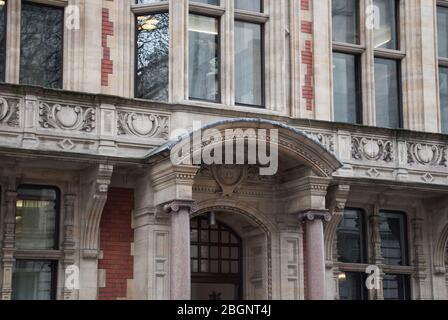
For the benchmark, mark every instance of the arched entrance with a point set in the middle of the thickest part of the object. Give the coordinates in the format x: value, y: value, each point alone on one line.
x: 216, y: 260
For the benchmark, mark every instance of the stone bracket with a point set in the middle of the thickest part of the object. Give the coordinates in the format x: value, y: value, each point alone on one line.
x: 97, y: 186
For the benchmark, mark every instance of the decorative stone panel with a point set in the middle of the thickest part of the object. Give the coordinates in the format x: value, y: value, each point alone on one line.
x: 67, y: 117
x: 372, y: 149
x: 9, y: 111
x: 142, y: 125
x: 427, y: 154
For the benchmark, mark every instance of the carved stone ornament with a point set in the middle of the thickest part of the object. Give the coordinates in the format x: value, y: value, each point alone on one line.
x: 177, y: 205
x: 67, y: 117
x: 229, y: 177
x: 312, y: 215
x: 143, y: 125
x: 325, y: 139
x: 9, y: 112
x: 372, y: 149
x: 427, y: 154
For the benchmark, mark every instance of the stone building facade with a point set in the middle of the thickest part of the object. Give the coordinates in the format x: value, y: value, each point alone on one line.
x: 93, y: 207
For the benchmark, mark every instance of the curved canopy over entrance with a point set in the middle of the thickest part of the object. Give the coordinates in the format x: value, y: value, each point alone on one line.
x: 217, y: 141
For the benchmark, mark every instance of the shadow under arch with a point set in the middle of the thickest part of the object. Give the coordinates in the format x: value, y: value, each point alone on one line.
x: 251, y: 213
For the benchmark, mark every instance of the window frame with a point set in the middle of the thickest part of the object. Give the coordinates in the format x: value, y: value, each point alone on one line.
x: 55, y: 255
x: 219, y: 55
x: 5, y: 12
x: 47, y: 5
x: 442, y: 62
x: 263, y: 66
x: 149, y: 9
x: 373, y: 216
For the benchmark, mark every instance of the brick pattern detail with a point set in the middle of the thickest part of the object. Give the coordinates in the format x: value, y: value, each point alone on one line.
x: 107, y: 64
x: 116, y: 236
x: 307, y: 54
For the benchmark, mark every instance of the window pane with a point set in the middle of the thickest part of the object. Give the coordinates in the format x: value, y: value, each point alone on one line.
x: 33, y: 280
x: 385, y: 35
x: 442, y: 31
x: 36, y: 212
x: 393, y: 238
x: 250, y: 5
x: 350, y: 238
x: 152, y: 57
x: 345, y: 14
x: 248, y: 64
x: 387, y: 93
x: 352, y: 286
x: 2, y: 41
x: 41, y: 45
x: 443, y: 80
x: 204, y: 58
x: 396, y: 287
x: 212, y: 2
x: 346, y: 88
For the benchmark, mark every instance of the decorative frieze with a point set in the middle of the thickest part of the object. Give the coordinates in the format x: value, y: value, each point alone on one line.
x: 372, y: 149
x: 67, y: 117
x: 427, y: 154
x: 9, y: 112
x: 143, y: 125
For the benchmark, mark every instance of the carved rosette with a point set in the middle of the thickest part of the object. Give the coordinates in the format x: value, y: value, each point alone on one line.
x: 67, y: 117
x: 143, y: 125
x: 9, y: 112
x: 427, y: 154
x: 372, y: 149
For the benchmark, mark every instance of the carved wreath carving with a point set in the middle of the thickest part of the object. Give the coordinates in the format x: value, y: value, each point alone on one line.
x: 67, y: 117
x: 427, y: 154
x: 143, y: 125
x: 9, y: 112
x: 372, y: 149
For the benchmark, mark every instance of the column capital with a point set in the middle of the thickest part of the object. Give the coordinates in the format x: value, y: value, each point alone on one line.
x: 177, y: 205
x: 311, y: 215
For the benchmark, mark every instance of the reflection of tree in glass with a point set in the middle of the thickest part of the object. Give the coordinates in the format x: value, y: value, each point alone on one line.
x: 2, y: 41
x: 41, y: 45
x: 152, y: 57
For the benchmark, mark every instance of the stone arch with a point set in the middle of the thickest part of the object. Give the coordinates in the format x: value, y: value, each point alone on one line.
x: 291, y: 142
x: 250, y: 213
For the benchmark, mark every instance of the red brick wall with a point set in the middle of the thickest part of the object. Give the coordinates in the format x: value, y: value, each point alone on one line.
x: 307, y: 57
x: 107, y: 65
x: 116, y: 236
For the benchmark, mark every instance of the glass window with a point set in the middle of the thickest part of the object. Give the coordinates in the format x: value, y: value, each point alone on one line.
x: 346, y: 86
x: 442, y: 31
x: 41, y: 44
x: 350, y: 237
x: 33, y: 280
x: 345, y: 16
x: 36, y: 218
x: 443, y: 85
x: 2, y: 40
x: 385, y: 34
x: 387, y: 93
x: 212, y: 2
x: 393, y: 238
x: 396, y: 287
x: 352, y: 286
x: 250, y: 5
x: 204, y: 58
x: 152, y: 57
x: 248, y: 64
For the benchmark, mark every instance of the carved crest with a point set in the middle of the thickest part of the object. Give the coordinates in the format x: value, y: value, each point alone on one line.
x: 67, y: 117
x: 372, y: 149
x: 229, y: 177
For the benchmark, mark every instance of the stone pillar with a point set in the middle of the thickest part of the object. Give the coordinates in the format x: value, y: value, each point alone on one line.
x: 8, y: 245
x: 315, y: 252
x: 180, y: 283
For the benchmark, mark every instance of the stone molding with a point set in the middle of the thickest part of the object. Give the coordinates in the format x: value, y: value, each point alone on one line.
x: 311, y: 215
x: 95, y: 200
